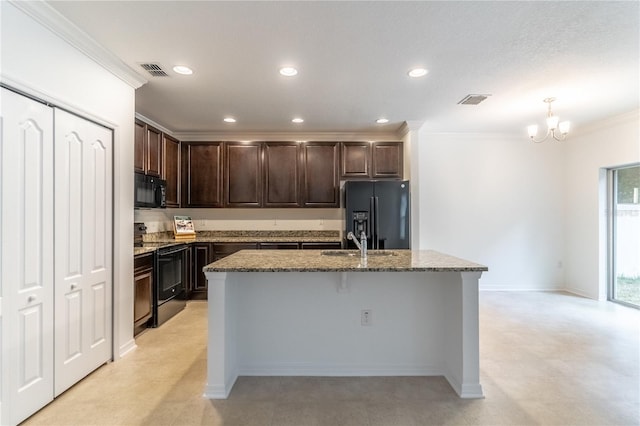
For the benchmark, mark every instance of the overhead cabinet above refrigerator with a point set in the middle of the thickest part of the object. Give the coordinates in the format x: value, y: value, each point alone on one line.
x: 381, y: 210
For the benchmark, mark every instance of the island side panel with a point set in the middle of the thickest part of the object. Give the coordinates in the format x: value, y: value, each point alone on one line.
x: 462, y: 366
x: 221, y: 356
x: 308, y: 323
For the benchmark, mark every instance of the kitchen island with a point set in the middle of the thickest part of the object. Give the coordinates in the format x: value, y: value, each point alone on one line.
x: 331, y: 313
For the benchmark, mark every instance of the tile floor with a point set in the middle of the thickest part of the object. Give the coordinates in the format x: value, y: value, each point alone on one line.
x: 546, y: 358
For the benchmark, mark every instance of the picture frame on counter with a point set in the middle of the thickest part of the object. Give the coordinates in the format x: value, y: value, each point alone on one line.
x: 183, y: 228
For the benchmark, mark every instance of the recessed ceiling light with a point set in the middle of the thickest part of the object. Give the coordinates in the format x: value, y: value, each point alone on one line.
x: 382, y: 120
x: 417, y: 72
x: 297, y: 120
x: 229, y: 120
x: 181, y: 69
x: 288, y: 71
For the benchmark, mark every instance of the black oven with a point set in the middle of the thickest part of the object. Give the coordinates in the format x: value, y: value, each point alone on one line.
x: 149, y: 191
x: 169, y: 291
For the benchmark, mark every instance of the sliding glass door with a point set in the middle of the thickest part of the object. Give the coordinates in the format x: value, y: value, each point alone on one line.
x: 624, y: 251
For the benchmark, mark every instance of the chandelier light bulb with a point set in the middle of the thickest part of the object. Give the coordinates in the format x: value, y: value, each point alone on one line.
x: 532, y: 130
x: 552, y: 122
x: 564, y: 127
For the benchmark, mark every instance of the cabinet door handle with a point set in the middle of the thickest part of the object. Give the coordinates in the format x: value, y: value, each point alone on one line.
x: 31, y: 298
x: 74, y: 286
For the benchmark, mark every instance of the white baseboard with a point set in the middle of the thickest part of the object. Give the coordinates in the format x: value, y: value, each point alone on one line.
x: 339, y: 370
x: 579, y: 293
x: 467, y: 391
x: 127, y: 348
x: 517, y: 288
x: 219, y: 391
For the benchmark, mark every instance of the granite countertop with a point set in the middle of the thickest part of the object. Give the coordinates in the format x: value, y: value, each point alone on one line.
x: 165, y: 239
x: 315, y: 261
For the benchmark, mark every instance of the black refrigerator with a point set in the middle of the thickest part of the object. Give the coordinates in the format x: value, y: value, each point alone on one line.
x: 381, y: 210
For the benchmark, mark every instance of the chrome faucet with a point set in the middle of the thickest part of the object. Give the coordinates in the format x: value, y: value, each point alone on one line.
x: 362, y: 244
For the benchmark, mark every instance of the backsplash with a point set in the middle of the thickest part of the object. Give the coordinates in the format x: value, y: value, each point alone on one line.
x: 161, y: 220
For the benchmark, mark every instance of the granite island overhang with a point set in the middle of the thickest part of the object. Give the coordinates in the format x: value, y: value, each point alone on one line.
x: 300, y: 313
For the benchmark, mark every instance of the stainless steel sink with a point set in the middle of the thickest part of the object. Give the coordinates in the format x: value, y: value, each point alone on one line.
x: 355, y: 253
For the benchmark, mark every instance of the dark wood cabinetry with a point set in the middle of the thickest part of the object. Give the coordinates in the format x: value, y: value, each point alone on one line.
x: 355, y: 159
x: 147, y: 149
x: 320, y: 185
x: 282, y: 174
x: 171, y: 169
x: 280, y: 246
x: 201, y: 256
x: 142, y: 290
x: 386, y: 160
x: 154, y: 151
x: 202, y: 174
x: 139, y: 157
x: 321, y: 246
x: 243, y: 174
x: 371, y: 160
x: 188, y: 273
x: 222, y: 250
x: 260, y: 174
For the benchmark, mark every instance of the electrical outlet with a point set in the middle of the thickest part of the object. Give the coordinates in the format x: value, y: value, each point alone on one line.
x: 366, y: 317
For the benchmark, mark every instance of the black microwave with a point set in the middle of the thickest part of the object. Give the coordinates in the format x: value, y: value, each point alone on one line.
x: 150, y: 192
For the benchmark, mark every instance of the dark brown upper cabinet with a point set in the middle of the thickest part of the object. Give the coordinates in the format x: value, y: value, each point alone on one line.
x: 371, y: 160
x: 202, y: 174
x: 320, y: 185
x: 281, y: 174
x: 386, y: 160
x: 243, y: 174
x: 355, y: 159
x: 154, y: 151
x: 139, y: 153
x: 147, y: 149
x: 171, y: 169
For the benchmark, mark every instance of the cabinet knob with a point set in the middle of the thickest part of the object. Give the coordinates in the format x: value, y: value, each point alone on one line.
x: 74, y: 286
x: 31, y: 298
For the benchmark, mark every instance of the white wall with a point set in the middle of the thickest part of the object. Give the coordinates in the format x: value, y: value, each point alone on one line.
x: 38, y: 62
x: 606, y: 144
x: 496, y: 200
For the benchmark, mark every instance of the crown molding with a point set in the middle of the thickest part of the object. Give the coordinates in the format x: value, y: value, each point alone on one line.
x: 409, y: 126
x: 285, y: 136
x: 51, y: 19
x: 155, y: 124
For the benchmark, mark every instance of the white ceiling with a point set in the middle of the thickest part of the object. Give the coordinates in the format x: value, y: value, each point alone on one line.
x: 353, y: 59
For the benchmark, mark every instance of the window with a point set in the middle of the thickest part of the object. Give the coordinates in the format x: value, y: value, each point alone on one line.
x: 624, y: 238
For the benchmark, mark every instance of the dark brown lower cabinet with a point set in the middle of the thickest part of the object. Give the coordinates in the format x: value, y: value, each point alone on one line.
x: 279, y: 246
x: 143, y: 291
x: 321, y: 246
x: 222, y: 250
x: 201, y: 256
x: 188, y: 273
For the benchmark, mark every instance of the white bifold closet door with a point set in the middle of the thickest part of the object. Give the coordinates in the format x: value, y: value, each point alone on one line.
x: 83, y: 226
x: 26, y: 256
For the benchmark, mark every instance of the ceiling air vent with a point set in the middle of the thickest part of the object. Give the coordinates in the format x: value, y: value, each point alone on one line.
x: 155, y: 70
x: 473, y: 99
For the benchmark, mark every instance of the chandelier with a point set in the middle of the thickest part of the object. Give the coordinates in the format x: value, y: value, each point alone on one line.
x: 556, y: 130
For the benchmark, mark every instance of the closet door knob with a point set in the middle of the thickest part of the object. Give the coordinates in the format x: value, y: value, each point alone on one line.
x: 31, y: 298
x: 73, y: 286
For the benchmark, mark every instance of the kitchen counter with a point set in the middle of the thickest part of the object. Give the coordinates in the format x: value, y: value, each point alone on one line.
x: 315, y: 261
x: 301, y: 313
x: 165, y: 239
